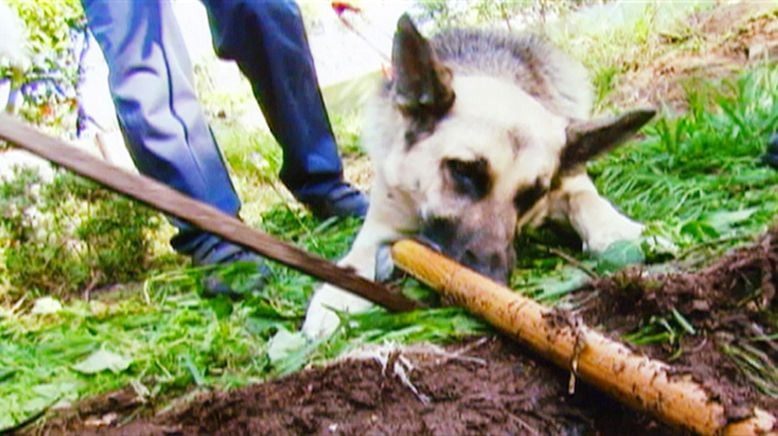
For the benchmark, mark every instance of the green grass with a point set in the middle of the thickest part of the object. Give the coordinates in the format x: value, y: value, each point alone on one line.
x: 174, y: 340
x: 697, y: 180
x: 697, y: 177
x: 171, y: 340
x: 756, y: 365
x: 669, y: 330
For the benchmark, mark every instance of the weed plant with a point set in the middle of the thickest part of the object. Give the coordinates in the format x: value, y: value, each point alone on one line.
x: 69, y: 236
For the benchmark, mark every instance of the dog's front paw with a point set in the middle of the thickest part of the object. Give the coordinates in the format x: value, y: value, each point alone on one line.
x: 623, y: 230
x: 320, y: 320
x: 384, y: 265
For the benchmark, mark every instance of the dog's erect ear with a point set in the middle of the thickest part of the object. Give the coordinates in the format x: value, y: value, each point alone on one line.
x: 589, y: 139
x: 422, y: 84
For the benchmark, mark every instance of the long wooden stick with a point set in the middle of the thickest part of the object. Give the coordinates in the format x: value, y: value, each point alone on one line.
x: 641, y: 382
x: 165, y: 199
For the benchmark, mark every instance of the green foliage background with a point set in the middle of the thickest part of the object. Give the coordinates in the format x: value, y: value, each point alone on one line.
x: 50, y: 26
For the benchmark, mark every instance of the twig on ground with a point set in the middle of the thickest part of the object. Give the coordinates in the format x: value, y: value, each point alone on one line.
x: 701, y: 246
x: 532, y: 430
x: 573, y: 261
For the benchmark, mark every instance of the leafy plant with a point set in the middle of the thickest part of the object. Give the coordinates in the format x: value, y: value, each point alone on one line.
x: 69, y: 235
x: 49, y: 83
x: 444, y: 14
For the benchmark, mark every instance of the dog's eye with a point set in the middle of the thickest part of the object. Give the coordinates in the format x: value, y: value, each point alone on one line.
x: 527, y: 197
x: 470, y: 178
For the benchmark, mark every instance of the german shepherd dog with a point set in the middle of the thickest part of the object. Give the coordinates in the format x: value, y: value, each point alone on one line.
x: 476, y: 135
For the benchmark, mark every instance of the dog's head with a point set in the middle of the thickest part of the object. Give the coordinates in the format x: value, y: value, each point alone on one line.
x: 481, y: 154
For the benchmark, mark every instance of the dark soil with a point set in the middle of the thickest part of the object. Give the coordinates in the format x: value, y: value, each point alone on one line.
x: 731, y: 304
x: 481, y: 386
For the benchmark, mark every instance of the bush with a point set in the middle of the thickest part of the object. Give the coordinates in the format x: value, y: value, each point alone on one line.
x: 70, y: 235
x: 48, y: 83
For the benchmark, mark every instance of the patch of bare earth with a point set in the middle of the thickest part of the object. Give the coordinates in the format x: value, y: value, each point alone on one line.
x: 731, y: 304
x: 715, y: 44
x: 481, y: 386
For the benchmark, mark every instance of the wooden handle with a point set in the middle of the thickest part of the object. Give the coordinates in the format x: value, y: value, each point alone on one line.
x: 641, y: 382
x: 206, y: 217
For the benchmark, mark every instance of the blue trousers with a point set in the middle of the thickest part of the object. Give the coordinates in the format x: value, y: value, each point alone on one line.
x: 164, y: 127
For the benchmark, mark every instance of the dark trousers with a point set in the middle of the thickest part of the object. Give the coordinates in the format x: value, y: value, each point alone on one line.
x: 163, y: 123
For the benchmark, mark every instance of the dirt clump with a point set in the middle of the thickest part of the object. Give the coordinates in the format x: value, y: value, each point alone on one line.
x: 731, y: 306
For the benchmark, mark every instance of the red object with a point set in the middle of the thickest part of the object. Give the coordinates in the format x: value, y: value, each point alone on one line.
x: 342, y: 6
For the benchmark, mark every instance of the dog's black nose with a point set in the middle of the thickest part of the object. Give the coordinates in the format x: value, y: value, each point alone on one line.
x: 494, y: 265
x: 439, y: 233
x: 474, y: 248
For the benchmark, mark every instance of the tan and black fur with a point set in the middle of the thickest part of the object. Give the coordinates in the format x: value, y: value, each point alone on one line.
x: 477, y: 135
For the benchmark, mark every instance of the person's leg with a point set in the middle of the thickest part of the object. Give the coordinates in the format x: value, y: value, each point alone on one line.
x: 151, y: 85
x: 150, y: 77
x: 267, y: 40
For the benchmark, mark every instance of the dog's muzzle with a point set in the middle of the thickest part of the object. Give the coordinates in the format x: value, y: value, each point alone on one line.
x: 478, y: 249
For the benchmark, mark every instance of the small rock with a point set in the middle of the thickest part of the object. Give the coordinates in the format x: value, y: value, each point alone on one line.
x: 101, y: 421
x: 763, y: 50
x: 700, y: 305
x: 46, y: 306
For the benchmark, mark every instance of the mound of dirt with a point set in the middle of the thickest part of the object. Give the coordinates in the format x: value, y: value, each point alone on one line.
x: 731, y: 306
x: 482, y: 386
x: 725, y: 39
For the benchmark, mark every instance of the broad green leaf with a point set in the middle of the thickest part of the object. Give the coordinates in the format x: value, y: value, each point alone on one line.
x: 700, y: 230
x: 264, y: 326
x: 46, y: 306
x: 618, y: 255
x: 221, y: 306
x: 6, y: 373
x: 723, y: 221
x: 551, y: 288
x: 54, y: 391
x: 283, y: 344
x: 103, y: 360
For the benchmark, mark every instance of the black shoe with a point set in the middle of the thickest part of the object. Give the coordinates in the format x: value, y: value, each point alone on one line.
x: 343, y: 201
x: 232, y: 282
x: 771, y: 155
